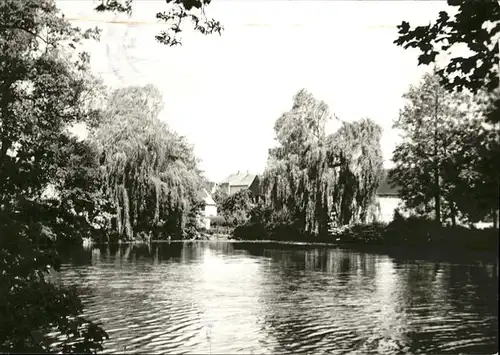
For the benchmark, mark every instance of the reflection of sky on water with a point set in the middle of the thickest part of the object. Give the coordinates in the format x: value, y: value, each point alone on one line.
x: 167, y: 298
x: 391, y: 313
x: 228, y: 322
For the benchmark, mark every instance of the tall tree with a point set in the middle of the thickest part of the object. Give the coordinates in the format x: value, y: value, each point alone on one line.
x: 45, y: 87
x: 475, y: 24
x: 471, y: 172
x: 312, y: 175
x: 356, y: 147
x: 77, y: 193
x: 150, y: 173
x: 428, y: 123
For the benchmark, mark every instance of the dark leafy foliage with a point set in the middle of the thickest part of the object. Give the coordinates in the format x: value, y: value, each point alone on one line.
x: 30, y: 306
x: 420, y: 232
x: 193, y: 226
x: 476, y: 24
x: 426, y: 124
x: 250, y: 231
x: 192, y: 11
x: 471, y: 174
x: 218, y: 221
x: 45, y: 87
x: 236, y: 208
x: 79, y: 195
x: 219, y: 196
x: 361, y: 234
x: 445, y: 164
x: 267, y: 223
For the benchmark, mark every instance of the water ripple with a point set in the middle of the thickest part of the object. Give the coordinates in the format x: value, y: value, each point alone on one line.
x: 257, y: 299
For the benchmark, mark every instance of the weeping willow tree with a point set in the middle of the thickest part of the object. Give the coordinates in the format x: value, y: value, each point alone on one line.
x: 149, y: 172
x: 356, y: 149
x: 318, y: 178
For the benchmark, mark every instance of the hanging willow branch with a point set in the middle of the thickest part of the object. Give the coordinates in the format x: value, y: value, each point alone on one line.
x: 149, y: 170
x: 322, y: 178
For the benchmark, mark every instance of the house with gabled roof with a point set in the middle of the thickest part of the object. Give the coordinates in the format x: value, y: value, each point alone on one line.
x: 240, y: 181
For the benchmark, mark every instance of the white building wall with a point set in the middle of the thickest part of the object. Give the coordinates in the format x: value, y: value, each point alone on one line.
x: 210, y: 210
x: 205, y: 223
x: 387, y: 207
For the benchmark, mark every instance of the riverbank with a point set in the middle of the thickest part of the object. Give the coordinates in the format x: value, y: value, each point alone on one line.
x: 411, y: 233
x: 400, y: 253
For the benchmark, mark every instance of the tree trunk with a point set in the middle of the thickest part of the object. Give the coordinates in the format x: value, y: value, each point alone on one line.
x: 495, y: 218
x: 118, y: 218
x: 437, y: 196
x: 437, y: 187
x: 5, y: 142
x: 126, y: 215
x: 453, y: 214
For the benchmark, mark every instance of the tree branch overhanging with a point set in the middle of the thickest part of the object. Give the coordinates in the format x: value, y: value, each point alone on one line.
x: 181, y: 11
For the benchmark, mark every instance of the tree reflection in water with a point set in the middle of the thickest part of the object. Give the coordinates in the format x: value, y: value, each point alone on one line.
x: 275, y: 298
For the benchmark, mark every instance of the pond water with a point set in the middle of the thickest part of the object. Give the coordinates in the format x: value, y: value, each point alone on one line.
x: 221, y: 297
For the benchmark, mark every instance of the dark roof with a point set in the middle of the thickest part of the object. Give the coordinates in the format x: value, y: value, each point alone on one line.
x: 384, y: 187
x: 239, y: 179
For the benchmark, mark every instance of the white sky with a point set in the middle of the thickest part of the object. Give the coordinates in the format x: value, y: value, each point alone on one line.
x: 225, y: 93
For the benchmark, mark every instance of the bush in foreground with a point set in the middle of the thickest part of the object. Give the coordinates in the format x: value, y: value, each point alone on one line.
x: 418, y: 232
x: 30, y: 305
x: 251, y: 231
x: 361, y: 234
x: 218, y: 221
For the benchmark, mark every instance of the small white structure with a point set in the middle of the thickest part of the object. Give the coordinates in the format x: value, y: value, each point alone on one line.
x: 388, y: 204
x: 387, y: 199
x: 209, y: 210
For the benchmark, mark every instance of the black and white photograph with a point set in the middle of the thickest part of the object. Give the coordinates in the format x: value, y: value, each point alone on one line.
x: 249, y: 176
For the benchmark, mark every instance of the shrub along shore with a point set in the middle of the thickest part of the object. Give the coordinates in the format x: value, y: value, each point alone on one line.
x: 407, y: 233
x: 412, y: 232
